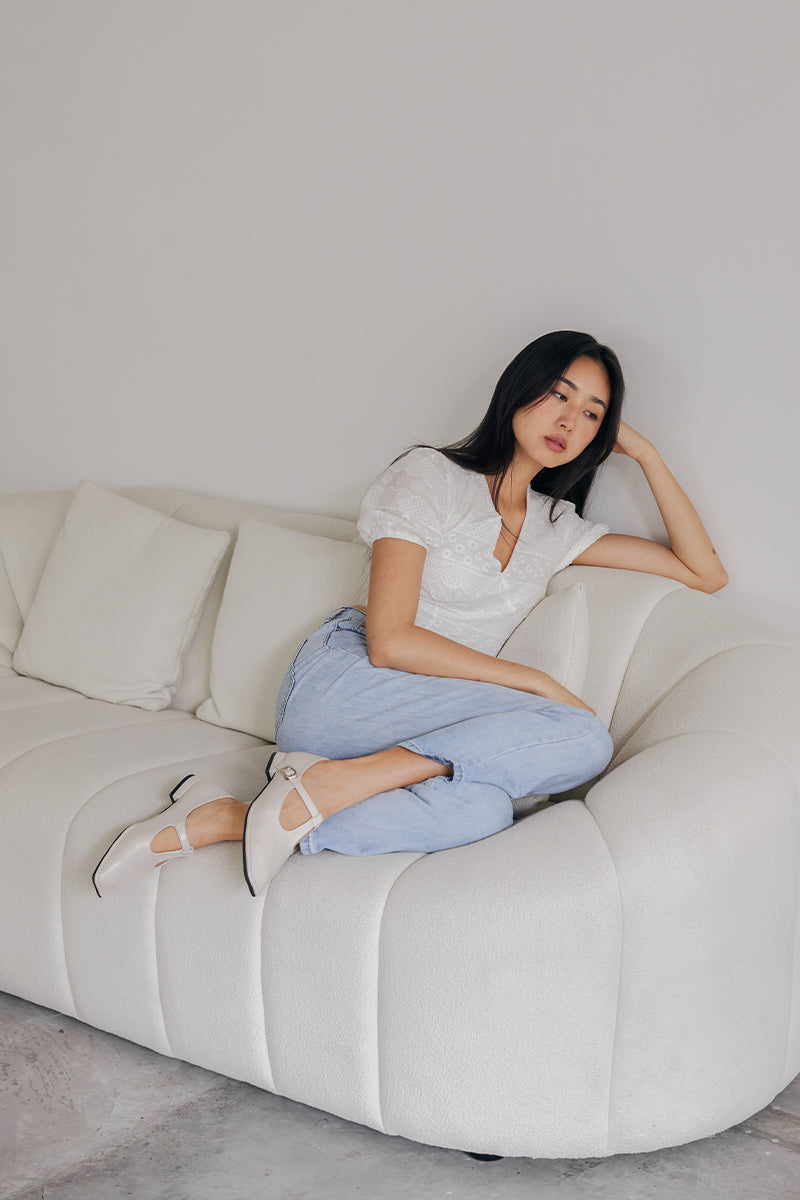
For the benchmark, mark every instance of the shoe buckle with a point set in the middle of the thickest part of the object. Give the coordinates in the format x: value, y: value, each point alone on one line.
x: 288, y: 773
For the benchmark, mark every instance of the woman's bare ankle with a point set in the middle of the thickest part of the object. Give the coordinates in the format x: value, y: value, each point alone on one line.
x: 323, y: 781
x: 217, y: 821
x: 334, y: 784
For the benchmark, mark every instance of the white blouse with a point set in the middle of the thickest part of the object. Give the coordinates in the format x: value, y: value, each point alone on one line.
x: 465, y: 595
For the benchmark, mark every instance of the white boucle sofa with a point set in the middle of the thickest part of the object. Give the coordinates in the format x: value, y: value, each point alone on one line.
x: 619, y: 971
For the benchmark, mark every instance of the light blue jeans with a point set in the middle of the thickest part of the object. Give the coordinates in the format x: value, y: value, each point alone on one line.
x: 500, y: 743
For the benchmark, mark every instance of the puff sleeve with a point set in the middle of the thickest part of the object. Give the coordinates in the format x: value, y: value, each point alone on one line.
x: 411, y: 500
x: 575, y: 533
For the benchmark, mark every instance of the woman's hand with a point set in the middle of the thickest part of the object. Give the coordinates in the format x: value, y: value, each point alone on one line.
x: 690, y: 557
x: 393, y: 640
x: 631, y: 443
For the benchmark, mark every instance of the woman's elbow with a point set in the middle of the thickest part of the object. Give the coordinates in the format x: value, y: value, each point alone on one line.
x: 378, y: 653
x: 386, y: 647
x: 381, y: 649
x: 714, y: 582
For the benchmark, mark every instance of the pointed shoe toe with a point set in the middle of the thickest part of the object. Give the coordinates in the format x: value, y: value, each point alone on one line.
x: 130, y: 855
x: 266, y: 845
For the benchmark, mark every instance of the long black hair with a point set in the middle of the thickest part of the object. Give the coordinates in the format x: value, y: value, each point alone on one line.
x: 528, y: 378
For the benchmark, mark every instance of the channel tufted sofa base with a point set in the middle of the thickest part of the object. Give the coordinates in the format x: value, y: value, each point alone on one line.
x: 617, y: 972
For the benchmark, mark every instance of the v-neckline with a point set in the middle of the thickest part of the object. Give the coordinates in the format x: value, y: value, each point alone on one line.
x: 502, y: 570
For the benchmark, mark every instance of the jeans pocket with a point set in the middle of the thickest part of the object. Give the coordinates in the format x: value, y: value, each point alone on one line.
x: 341, y: 631
x: 348, y: 635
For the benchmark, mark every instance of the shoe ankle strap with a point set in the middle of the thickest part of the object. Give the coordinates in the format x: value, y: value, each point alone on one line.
x: 292, y: 776
x: 183, y: 837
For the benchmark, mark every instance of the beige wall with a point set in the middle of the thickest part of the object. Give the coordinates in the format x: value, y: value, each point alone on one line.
x: 255, y: 247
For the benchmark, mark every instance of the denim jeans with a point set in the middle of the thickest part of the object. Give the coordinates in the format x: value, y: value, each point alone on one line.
x: 500, y: 743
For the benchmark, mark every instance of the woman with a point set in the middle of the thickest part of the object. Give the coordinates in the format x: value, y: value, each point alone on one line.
x: 398, y: 727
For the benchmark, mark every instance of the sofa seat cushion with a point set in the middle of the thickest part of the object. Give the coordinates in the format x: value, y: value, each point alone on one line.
x: 48, y: 715
x: 119, y: 600
x: 17, y: 690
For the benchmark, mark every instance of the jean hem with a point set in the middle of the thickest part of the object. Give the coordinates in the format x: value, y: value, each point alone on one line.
x: 457, y: 769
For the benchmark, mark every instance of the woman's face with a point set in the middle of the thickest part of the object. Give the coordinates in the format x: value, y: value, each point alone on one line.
x: 558, y: 427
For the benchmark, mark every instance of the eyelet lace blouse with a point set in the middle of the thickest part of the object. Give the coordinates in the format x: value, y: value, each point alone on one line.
x: 465, y: 594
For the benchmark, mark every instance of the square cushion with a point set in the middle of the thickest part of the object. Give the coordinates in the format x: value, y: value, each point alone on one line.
x: 119, y: 600
x: 281, y: 585
x: 554, y: 638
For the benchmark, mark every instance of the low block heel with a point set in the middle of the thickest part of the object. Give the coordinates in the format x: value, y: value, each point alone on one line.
x: 273, y: 762
x: 265, y: 843
x: 181, y: 788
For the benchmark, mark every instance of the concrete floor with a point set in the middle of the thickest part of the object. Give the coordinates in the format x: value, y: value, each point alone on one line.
x: 87, y: 1116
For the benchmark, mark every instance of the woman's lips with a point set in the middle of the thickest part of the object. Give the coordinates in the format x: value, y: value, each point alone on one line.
x: 555, y: 444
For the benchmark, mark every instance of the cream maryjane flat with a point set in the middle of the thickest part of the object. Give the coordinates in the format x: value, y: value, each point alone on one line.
x: 266, y: 845
x: 129, y: 855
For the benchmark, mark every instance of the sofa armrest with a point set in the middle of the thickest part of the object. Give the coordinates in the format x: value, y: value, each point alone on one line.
x: 703, y: 829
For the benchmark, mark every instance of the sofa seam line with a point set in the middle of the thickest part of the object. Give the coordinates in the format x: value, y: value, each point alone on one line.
x: 261, y: 992
x: 67, y: 834
x: 75, y: 817
x: 43, y: 704
x: 379, y: 966
x: 654, y: 605
x: 686, y: 733
x: 621, y: 911
x: 711, y: 658
x: 157, y: 961
x: 83, y: 733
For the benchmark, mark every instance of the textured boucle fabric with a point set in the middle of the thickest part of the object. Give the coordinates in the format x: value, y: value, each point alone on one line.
x: 616, y: 972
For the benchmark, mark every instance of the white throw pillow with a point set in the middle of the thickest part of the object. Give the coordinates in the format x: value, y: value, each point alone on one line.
x: 281, y: 585
x: 554, y: 638
x: 119, y: 600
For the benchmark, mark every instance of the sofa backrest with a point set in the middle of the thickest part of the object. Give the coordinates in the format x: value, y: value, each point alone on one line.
x: 651, y: 639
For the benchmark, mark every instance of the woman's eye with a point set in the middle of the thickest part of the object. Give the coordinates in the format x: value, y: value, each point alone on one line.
x: 592, y: 415
x: 559, y: 395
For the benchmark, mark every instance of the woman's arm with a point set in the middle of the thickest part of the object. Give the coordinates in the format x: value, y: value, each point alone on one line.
x: 393, y: 640
x: 690, y: 558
